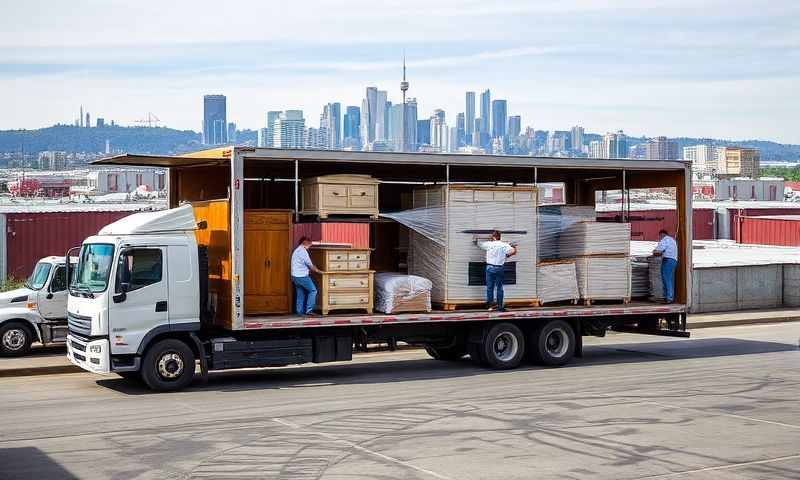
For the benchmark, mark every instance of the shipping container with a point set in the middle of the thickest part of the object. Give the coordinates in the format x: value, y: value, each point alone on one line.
x: 734, y: 214
x: 645, y: 224
x: 781, y: 230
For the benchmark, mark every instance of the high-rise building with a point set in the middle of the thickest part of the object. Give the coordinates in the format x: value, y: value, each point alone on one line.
x: 702, y: 158
x: 423, y: 132
x: 80, y: 116
x: 330, y: 123
x: 661, y: 148
x: 315, y: 139
x: 596, y: 149
x: 52, y: 160
x: 470, y: 115
x: 231, y: 132
x: 396, y: 127
x: 638, y: 151
x: 351, y: 128
x: 459, y: 134
x: 289, y: 130
x: 101, y: 122
x: 88, y: 121
x: 215, y: 120
x: 558, y: 142
x: 738, y: 162
x: 577, y: 138
x: 486, y: 99
x: 263, y: 139
x: 410, y: 128
x: 439, y: 132
x: 381, y: 115
x: 269, y: 134
x: 403, y: 147
x: 514, y: 126
x: 499, y: 118
x: 615, y: 145
x: 369, y: 110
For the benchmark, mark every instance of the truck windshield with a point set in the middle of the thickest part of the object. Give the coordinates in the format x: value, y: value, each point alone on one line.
x: 39, y: 276
x: 94, y: 266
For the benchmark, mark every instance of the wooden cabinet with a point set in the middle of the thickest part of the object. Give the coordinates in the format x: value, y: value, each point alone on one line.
x: 346, y: 282
x: 267, y: 251
x: 340, y: 195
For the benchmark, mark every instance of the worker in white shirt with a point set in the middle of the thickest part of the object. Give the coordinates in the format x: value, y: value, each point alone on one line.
x: 305, y: 295
x: 497, y: 252
x: 667, y: 249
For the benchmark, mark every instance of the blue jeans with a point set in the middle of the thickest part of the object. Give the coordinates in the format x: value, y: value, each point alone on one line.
x: 494, y: 279
x: 667, y: 277
x: 305, y: 295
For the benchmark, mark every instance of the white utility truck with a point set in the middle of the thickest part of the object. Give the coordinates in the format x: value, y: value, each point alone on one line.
x: 144, y: 302
x: 36, y: 312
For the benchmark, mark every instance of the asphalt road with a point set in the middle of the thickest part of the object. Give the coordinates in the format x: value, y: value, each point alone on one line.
x: 723, y: 405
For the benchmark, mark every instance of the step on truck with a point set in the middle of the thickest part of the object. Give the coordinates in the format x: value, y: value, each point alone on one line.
x: 157, y: 295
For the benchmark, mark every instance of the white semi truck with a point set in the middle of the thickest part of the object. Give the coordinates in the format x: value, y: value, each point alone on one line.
x: 36, y: 312
x: 143, y: 304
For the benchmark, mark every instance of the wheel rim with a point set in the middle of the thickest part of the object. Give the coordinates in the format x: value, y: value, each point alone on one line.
x: 505, y: 346
x: 170, y: 366
x: 14, y: 339
x: 557, y: 342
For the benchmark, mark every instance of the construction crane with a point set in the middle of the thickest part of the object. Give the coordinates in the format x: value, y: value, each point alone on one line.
x: 151, y: 120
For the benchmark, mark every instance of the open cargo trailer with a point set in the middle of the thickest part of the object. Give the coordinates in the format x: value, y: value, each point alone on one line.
x: 226, y: 185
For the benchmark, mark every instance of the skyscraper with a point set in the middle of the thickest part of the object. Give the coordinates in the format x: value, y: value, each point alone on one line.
x: 595, y: 149
x: 439, y: 131
x: 381, y: 115
x: 702, y: 158
x: 232, y: 132
x: 423, y: 132
x: 369, y: 107
x: 486, y: 99
x: 215, y: 120
x: 396, y: 127
x: 88, y: 120
x: 615, y: 145
x: 460, y: 133
x: 577, y: 138
x: 269, y: 134
x: 289, y: 130
x: 352, y: 128
x: 499, y: 120
x: 404, y: 123
x: 410, y: 125
x: 331, y: 123
x: 80, y: 116
x: 514, y: 126
x: 661, y: 148
x: 470, y: 115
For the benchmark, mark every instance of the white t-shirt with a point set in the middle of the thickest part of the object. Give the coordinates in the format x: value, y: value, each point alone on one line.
x: 300, y: 262
x: 496, y: 251
x: 668, y: 247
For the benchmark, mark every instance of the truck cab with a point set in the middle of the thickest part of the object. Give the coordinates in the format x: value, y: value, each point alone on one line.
x: 134, y: 283
x: 37, y: 311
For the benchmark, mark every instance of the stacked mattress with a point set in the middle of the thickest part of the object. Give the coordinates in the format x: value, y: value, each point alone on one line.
x: 396, y: 293
x: 595, y: 238
x: 604, y: 277
x: 557, y: 281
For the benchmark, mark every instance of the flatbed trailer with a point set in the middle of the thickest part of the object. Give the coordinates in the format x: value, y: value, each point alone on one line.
x: 108, y: 334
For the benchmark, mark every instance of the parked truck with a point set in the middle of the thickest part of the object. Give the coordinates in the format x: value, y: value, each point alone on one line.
x: 36, y: 312
x: 155, y: 294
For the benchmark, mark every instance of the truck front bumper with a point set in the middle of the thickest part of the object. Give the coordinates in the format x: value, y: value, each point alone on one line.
x: 91, y: 355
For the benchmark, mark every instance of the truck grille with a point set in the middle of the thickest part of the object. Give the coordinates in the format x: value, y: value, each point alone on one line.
x: 79, y: 324
x: 78, y: 346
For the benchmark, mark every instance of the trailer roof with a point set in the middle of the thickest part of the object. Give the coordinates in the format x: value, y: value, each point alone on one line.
x: 219, y: 156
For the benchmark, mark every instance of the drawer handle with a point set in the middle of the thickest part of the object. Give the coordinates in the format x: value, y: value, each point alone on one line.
x: 333, y: 283
x: 335, y: 193
x: 363, y: 300
x: 363, y: 194
x: 362, y: 283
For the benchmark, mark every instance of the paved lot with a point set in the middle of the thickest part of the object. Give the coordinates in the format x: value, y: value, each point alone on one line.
x: 723, y: 405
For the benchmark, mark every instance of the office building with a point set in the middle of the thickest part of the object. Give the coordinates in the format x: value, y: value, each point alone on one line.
x: 499, y: 118
x: 80, y: 117
x: 88, y: 120
x: 268, y: 137
x: 101, y: 122
x: 661, y: 148
x: 486, y: 99
x: 460, y: 133
x: 351, y: 127
x: 411, y: 125
x: 558, y: 142
x: 396, y: 127
x: 231, y: 132
x: 52, y: 160
x: 738, y: 162
x: 514, y: 126
x: 470, y: 115
x: 289, y: 130
x: 702, y: 158
x: 423, y: 132
x: 330, y: 123
x: 369, y: 108
x: 215, y: 120
x: 596, y: 149
x: 381, y: 115
x: 315, y: 139
x: 576, y: 134
x: 638, y: 151
x: 440, y: 135
x: 264, y: 140
x: 615, y: 145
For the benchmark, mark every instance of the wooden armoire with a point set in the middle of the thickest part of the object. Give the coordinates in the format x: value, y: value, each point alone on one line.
x: 267, y: 250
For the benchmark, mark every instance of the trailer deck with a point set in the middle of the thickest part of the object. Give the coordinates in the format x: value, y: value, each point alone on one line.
x: 339, y: 320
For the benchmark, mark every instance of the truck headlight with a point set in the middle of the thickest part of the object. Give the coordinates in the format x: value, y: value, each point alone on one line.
x: 95, y: 348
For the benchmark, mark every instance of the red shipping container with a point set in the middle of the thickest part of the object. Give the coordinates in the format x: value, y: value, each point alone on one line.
x: 645, y: 224
x: 356, y: 234
x: 783, y: 230
x: 737, y: 213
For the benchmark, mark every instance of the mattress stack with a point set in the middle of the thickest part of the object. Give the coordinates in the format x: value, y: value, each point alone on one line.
x: 595, y: 238
x: 396, y: 293
x: 604, y: 277
x: 656, y: 286
x: 557, y: 281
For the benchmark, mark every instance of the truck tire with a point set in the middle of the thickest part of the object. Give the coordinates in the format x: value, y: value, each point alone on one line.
x: 15, y: 339
x: 168, y: 365
x: 553, y: 344
x: 503, y: 346
x: 450, y: 354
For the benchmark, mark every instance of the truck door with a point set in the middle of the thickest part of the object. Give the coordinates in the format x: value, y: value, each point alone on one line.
x: 139, y: 303
x: 52, y: 301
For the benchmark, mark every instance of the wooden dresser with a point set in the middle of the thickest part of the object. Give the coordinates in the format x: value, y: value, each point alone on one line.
x: 346, y: 282
x: 340, y: 195
x: 267, y: 251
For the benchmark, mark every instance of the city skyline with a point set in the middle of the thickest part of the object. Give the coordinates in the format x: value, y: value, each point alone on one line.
x: 676, y: 70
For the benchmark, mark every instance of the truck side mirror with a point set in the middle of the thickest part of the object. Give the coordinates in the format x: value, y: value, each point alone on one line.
x: 123, y: 293
x: 123, y: 274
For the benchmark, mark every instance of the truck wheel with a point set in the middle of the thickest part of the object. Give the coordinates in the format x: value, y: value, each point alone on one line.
x: 168, y: 365
x: 503, y: 346
x: 451, y: 354
x: 15, y: 339
x: 553, y: 344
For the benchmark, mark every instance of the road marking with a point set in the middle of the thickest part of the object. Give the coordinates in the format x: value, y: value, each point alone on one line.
x: 725, y: 414
x: 363, y: 449
x: 724, y: 467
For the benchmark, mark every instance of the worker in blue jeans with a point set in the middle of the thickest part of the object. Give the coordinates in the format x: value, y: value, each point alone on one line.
x: 305, y: 296
x: 497, y: 252
x: 667, y: 249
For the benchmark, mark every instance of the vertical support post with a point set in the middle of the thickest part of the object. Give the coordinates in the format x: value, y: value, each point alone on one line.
x: 296, y: 191
x: 237, y: 240
x: 624, y: 195
x: 536, y: 177
x: 447, y: 173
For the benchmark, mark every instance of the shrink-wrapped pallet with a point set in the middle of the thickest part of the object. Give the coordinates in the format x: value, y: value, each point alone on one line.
x: 553, y: 219
x: 396, y: 293
x: 595, y: 238
x: 640, y: 277
x: 604, y: 277
x: 445, y: 223
x: 557, y: 281
x: 656, y: 285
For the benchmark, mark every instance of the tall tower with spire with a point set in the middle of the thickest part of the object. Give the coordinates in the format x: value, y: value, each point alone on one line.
x: 404, y: 89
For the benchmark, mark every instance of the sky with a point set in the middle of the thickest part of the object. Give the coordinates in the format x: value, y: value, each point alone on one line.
x: 720, y: 69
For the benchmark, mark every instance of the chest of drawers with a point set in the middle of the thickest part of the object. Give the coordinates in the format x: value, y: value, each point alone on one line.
x: 346, y: 282
x: 340, y: 195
